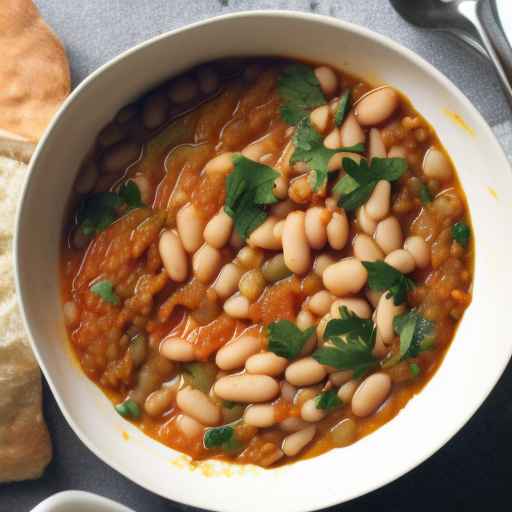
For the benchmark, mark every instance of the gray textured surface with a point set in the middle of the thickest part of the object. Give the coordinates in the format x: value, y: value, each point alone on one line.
x: 463, y: 475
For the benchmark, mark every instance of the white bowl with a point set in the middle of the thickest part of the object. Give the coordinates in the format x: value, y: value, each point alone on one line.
x: 472, y: 366
x: 79, y: 501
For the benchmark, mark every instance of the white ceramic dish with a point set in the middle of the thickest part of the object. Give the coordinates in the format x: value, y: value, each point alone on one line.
x: 79, y: 501
x: 474, y: 363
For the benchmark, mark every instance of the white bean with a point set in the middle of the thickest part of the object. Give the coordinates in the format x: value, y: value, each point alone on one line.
x: 221, y: 164
x: 177, y: 349
x: 174, y: 257
x: 333, y: 139
x: 197, y: 405
x: 347, y: 390
x: 233, y: 355
x: 365, y: 248
x: 315, y: 224
x: 345, y: 277
x: 322, y: 261
x: 190, y: 226
x: 159, y: 401
x: 294, y: 443
x: 304, y: 372
x: 384, y: 315
x: 218, y: 230
x: 266, y: 363
x: 278, y: 231
x: 155, y: 111
x: 247, y: 388
x: 260, y: 415
x: 296, y: 250
x: 145, y: 189
x: 436, y: 165
x: 397, y: 152
x: 227, y: 282
x: 310, y: 413
x: 288, y: 391
x: 339, y: 378
x: 237, y: 306
x: 87, y: 178
x: 293, y: 424
x: 320, y: 303
x: 370, y: 394
x: 365, y: 222
x: 119, y: 156
x: 373, y: 297
x: 320, y: 328
x: 236, y: 241
x: 319, y: 118
x: 389, y: 234
x: 263, y: 236
x: 336, y: 160
x: 358, y: 306
x: 280, y: 189
x: 70, y: 311
x: 327, y: 79
x: 183, y: 90
x: 376, y: 106
x: 351, y: 132
x: 282, y: 209
x: 376, y: 147
x: 206, y: 263
x: 419, y: 250
x: 189, y: 426
x: 377, y: 206
x: 208, y: 80
x: 338, y: 230
x: 402, y: 260
x: 380, y: 349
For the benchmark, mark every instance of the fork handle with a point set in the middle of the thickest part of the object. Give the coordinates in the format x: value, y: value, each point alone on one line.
x: 502, y: 60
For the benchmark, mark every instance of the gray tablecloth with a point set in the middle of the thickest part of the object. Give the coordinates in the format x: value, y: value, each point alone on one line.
x: 468, y: 474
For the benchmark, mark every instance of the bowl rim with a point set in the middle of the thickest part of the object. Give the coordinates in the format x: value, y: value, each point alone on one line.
x: 377, y: 38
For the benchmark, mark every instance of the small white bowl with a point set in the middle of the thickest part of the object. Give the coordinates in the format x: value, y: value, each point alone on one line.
x: 79, y: 501
x: 472, y: 366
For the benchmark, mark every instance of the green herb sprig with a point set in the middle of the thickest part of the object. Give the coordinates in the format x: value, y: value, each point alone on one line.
x: 286, y: 340
x: 384, y: 277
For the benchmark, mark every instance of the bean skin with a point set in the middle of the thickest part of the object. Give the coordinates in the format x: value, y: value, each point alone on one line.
x: 384, y: 316
x: 310, y: 413
x: 389, y: 234
x: 296, y: 250
x: 234, y: 354
x: 365, y: 222
x: 266, y: 363
x: 347, y: 390
x: 177, y: 349
x: 377, y: 206
x: 327, y: 79
x: 320, y: 117
x: 189, y: 426
x: 218, y: 230
x: 358, y: 306
x: 206, y: 263
x: 370, y: 394
x: 376, y: 106
x: 402, y: 260
x: 237, y: 306
x: 305, y: 372
x: 263, y: 236
x: 345, y: 277
x: 221, y: 164
x: 227, y: 281
x: 260, y: 415
x: 190, y: 227
x: 365, y: 248
x: 320, y: 303
x: 376, y: 147
x: 174, y: 257
x: 294, y: 443
x: 419, y: 250
x: 351, y: 132
x: 338, y: 230
x: 197, y: 405
x: 436, y: 165
x: 247, y: 388
x: 315, y: 223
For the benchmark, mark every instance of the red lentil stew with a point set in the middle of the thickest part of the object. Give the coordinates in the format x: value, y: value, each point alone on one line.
x: 266, y: 260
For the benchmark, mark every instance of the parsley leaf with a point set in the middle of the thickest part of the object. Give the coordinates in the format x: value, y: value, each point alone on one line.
x: 105, y: 289
x: 328, y: 400
x: 461, y: 233
x: 98, y: 211
x: 424, y: 194
x: 423, y: 333
x: 286, y: 340
x: 129, y: 193
x: 353, y: 351
x: 309, y: 148
x: 415, y: 369
x: 248, y: 187
x: 343, y: 107
x: 300, y: 92
x: 382, y: 277
x: 216, y: 437
x: 128, y: 409
x: 367, y: 177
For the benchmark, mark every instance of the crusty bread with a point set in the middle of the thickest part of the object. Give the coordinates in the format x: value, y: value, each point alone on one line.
x: 34, y: 71
x: 34, y: 80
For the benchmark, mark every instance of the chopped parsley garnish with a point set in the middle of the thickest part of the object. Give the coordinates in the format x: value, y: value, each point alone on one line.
x: 286, y: 340
x: 300, y: 92
x: 366, y: 177
x: 461, y: 233
x: 415, y: 369
x: 99, y: 210
x: 223, y: 438
x: 129, y: 193
x: 343, y: 107
x: 248, y: 188
x: 309, y: 148
x: 353, y: 339
x: 383, y: 277
x: 424, y: 194
x: 105, y: 290
x: 328, y: 400
x: 128, y: 409
x: 416, y: 333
